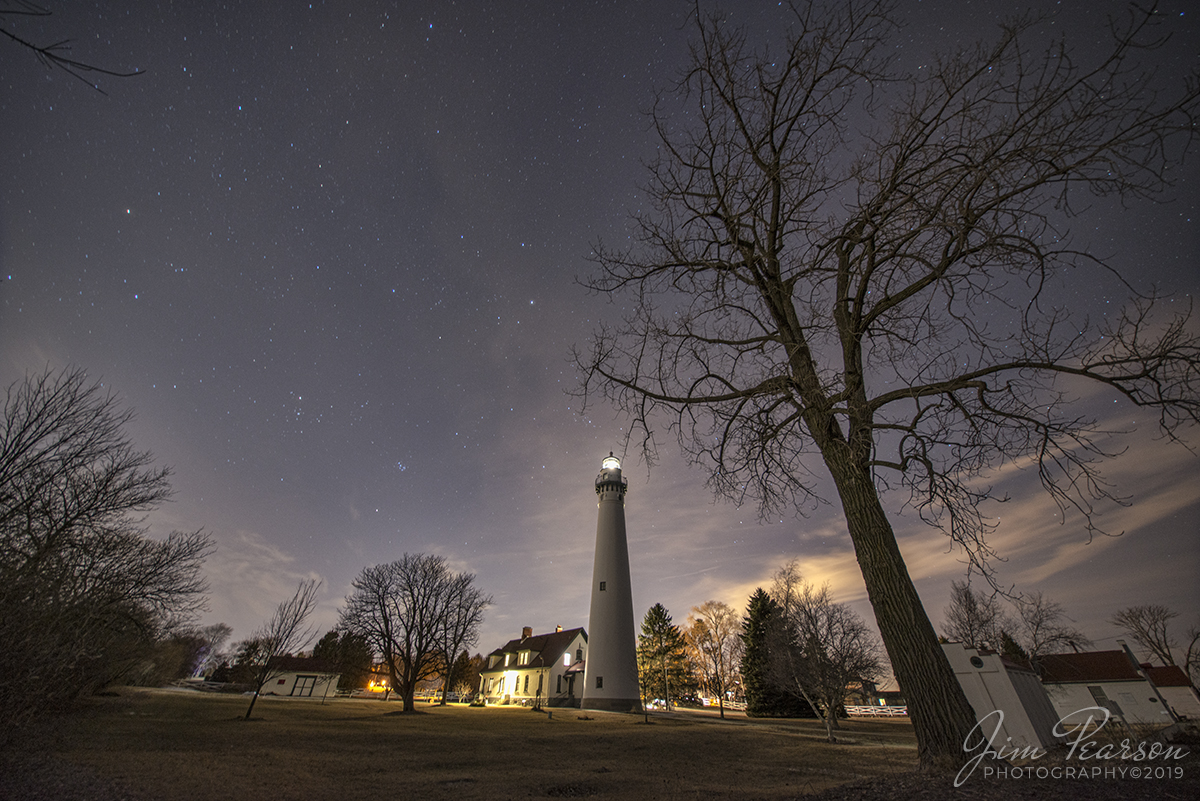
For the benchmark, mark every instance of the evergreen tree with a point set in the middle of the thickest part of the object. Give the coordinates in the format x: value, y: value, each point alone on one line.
x: 662, y: 657
x: 762, y: 633
x: 1011, y: 648
x: 350, y: 653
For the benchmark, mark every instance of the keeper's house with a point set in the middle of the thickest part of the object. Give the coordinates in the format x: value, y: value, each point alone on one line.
x: 533, y: 670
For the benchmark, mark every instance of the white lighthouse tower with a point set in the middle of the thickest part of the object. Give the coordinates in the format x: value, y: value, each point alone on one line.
x: 610, y: 674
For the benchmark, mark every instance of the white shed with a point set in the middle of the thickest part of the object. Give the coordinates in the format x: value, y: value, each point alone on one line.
x: 993, y: 683
x: 302, y: 677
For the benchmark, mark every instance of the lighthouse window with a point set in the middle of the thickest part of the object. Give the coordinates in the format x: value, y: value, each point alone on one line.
x: 599, y: 682
x: 602, y: 585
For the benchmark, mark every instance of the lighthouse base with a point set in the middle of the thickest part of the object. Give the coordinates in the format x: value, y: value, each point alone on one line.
x: 613, y: 704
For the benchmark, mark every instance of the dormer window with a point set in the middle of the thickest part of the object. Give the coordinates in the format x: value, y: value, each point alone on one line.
x: 523, y: 658
x: 507, y: 657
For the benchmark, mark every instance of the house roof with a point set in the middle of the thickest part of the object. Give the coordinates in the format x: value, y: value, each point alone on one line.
x: 545, y: 649
x: 1169, y: 676
x: 1089, y: 666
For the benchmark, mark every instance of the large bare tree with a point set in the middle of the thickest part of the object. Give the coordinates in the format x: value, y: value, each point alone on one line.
x: 54, y: 54
x: 84, y: 592
x: 414, y: 612
x: 846, y: 265
x: 465, y: 604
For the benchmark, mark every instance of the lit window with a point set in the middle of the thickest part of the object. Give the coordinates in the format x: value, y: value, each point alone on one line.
x: 567, y: 659
x: 506, y: 658
x: 523, y: 658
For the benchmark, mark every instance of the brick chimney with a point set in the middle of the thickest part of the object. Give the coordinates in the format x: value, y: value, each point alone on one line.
x: 557, y: 629
x: 526, y: 632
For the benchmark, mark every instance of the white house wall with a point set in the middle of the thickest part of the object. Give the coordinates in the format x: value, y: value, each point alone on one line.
x: 1136, y: 699
x: 285, y: 684
x: 1183, y: 701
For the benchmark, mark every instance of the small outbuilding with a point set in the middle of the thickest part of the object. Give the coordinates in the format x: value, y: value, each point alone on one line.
x: 995, y: 683
x: 302, y: 677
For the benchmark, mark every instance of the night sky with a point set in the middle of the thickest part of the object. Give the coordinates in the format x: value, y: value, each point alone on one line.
x: 329, y: 254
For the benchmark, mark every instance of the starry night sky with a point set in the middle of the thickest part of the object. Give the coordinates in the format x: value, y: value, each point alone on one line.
x: 330, y: 257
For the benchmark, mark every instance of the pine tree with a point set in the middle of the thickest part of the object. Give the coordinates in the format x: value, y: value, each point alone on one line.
x: 662, y: 657
x: 762, y: 632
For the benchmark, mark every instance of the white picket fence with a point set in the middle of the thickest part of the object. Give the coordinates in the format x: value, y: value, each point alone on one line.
x: 877, y: 711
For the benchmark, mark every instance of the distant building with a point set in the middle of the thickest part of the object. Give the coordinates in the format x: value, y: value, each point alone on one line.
x: 1176, y: 689
x: 542, y: 669
x: 302, y: 677
x: 1111, y: 679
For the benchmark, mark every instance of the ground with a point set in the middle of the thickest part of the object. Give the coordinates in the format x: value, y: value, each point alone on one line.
x: 141, y: 745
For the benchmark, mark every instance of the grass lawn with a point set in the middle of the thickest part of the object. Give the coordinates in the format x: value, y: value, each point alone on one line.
x: 183, y: 745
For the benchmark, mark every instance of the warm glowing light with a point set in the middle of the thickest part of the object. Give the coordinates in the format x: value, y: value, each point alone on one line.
x: 610, y: 463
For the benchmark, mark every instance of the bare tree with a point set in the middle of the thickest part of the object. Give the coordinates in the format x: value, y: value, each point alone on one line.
x: 285, y: 633
x: 53, y: 55
x: 1149, y: 627
x: 822, y: 237
x: 84, y: 592
x: 406, y: 610
x: 975, y: 618
x: 1043, y: 626
x: 213, y: 638
x: 715, y: 647
x: 828, y: 647
x: 465, y: 604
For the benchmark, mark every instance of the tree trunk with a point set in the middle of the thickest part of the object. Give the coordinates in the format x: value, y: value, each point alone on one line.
x: 253, y: 699
x: 939, y: 710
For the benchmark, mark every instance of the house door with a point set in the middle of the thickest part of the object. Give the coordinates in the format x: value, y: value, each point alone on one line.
x: 304, y: 686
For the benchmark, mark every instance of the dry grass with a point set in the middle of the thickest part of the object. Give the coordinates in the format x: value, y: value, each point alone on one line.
x: 175, y: 745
